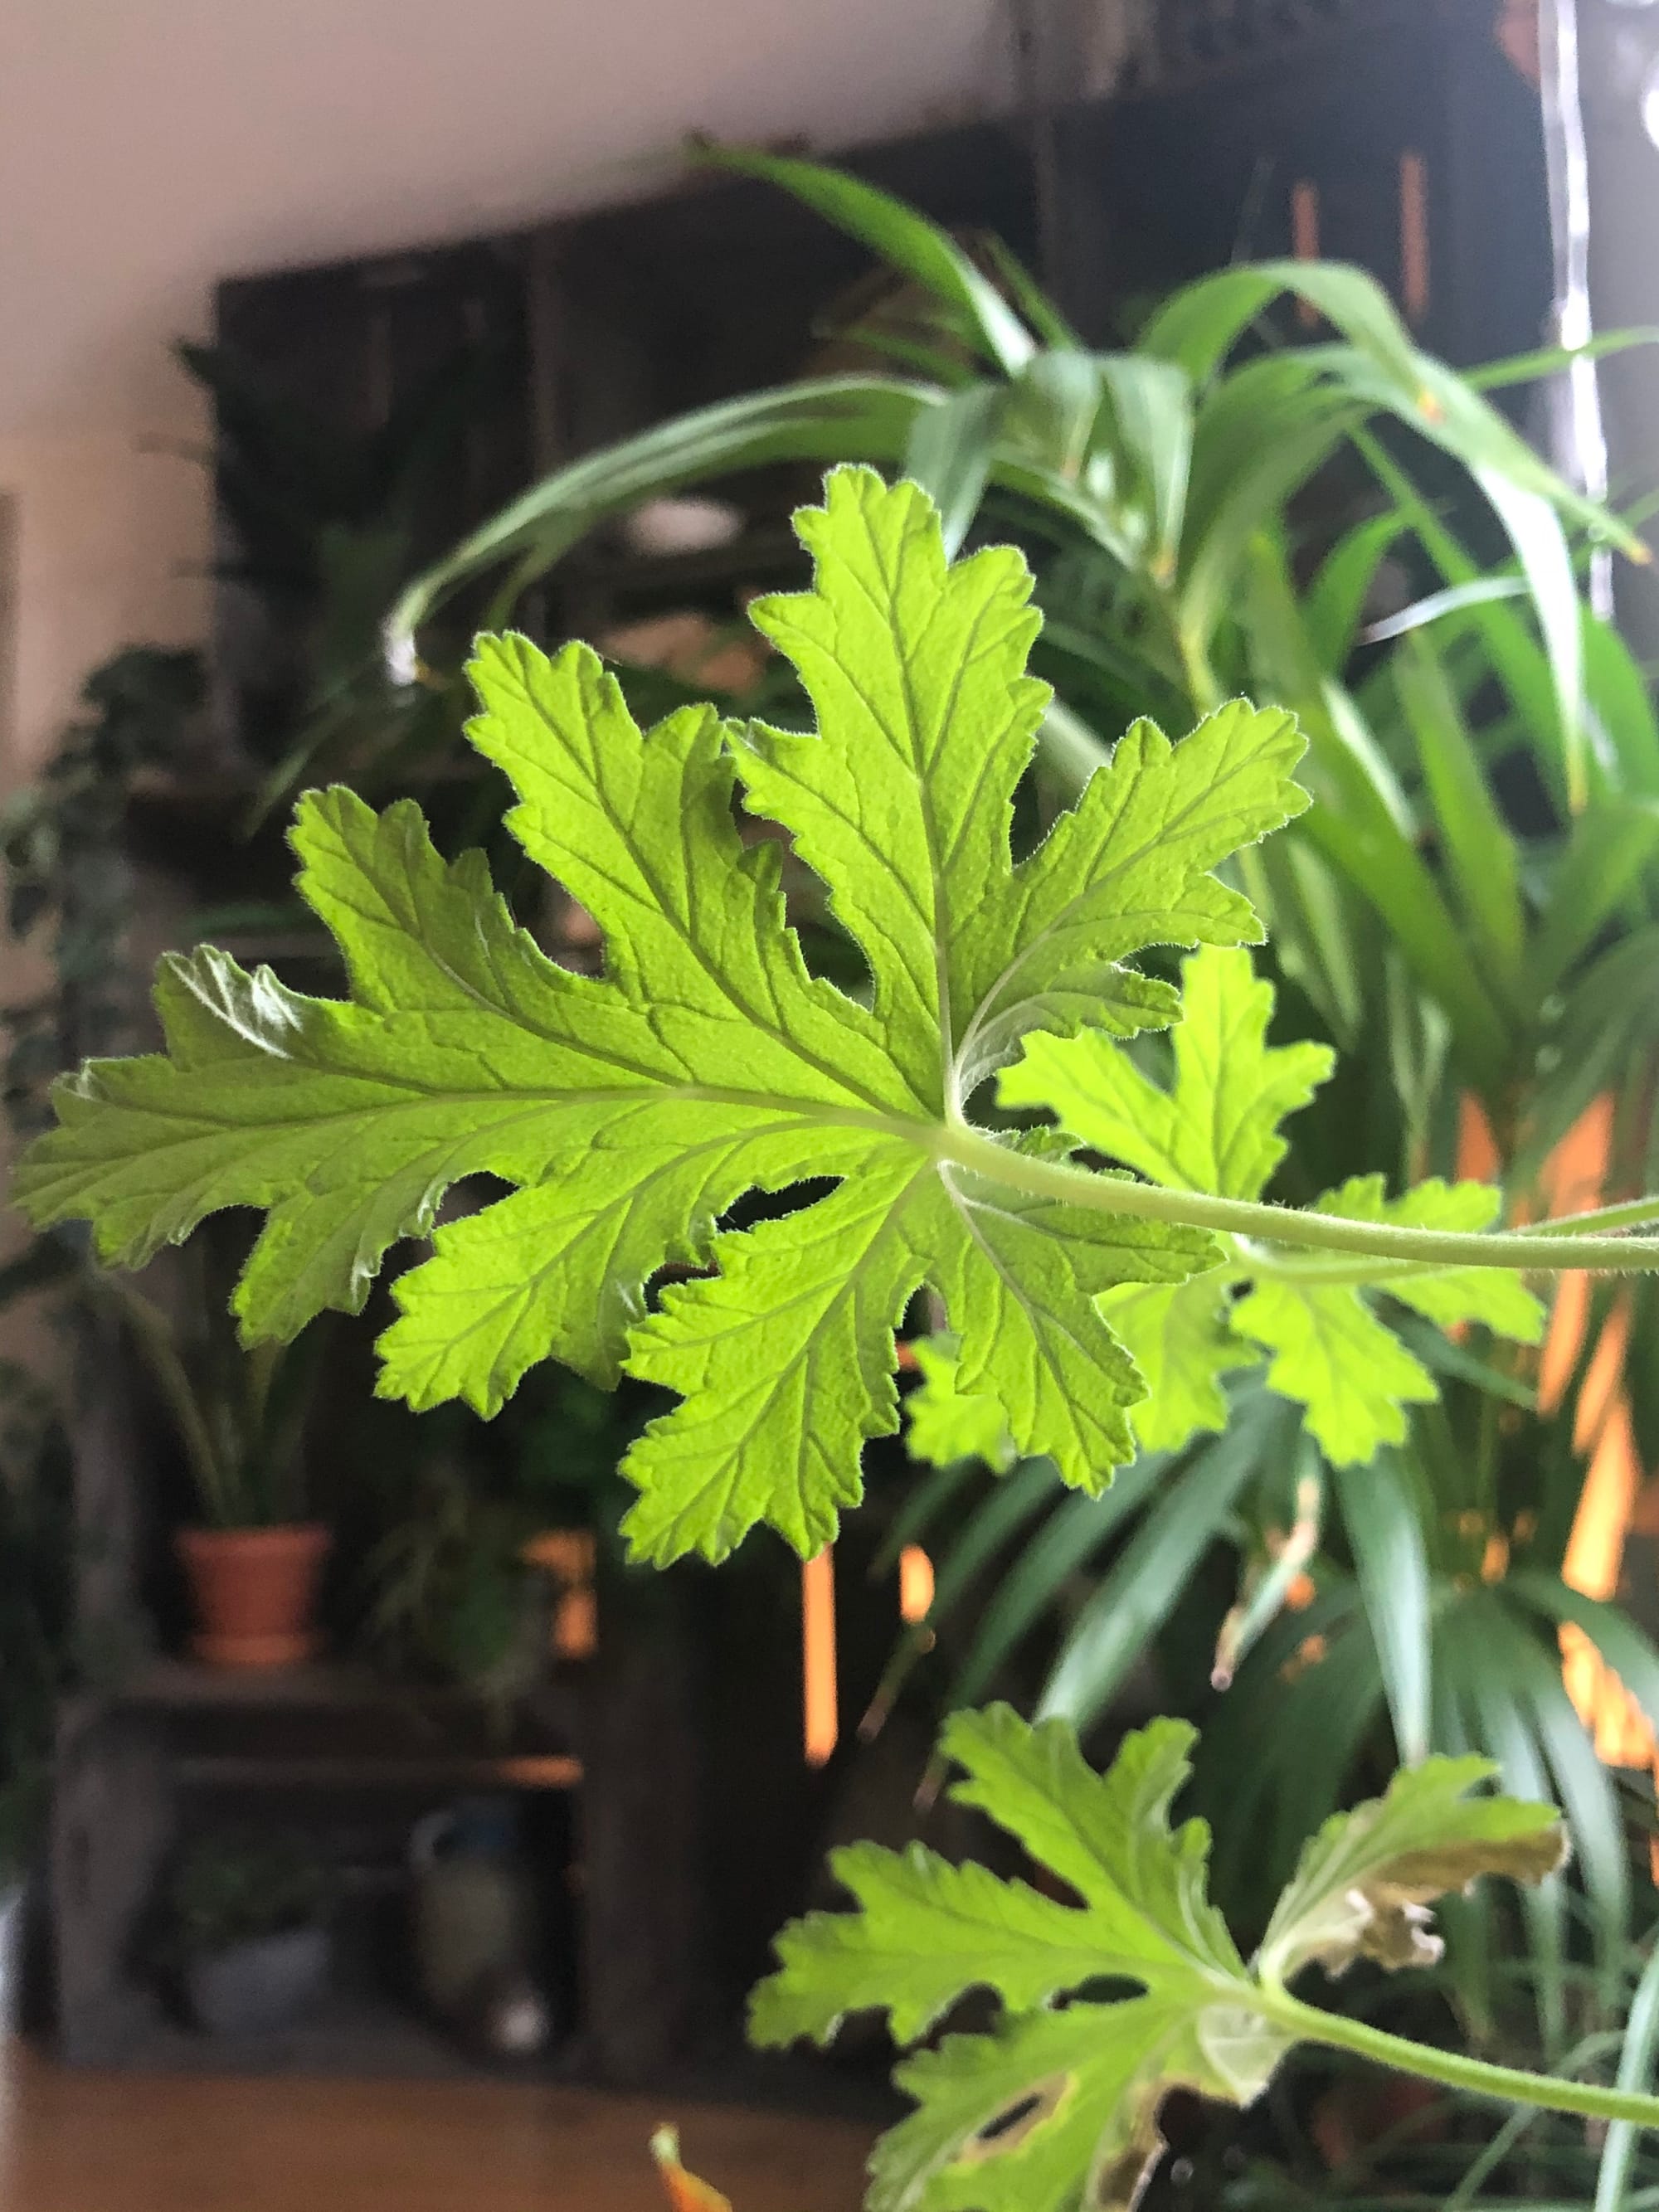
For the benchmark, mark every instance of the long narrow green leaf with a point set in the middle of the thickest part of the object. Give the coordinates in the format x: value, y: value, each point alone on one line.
x: 1467, y: 1919
x: 1199, y: 325
x: 1443, y: 407
x: 1481, y: 856
x: 822, y: 419
x: 1550, y: 360
x: 1138, y: 1595
x: 1637, y: 2061
x: 1519, y: 662
x: 1152, y: 404
x: 1505, y: 1732
x: 1534, y: 531
x: 1363, y: 825
x: 1611, y: 845
x: 1327, y: 1713
x: 949, y: 453
x: 1335, y: 603
x: 1614, y: 1002
x: 1253, y: 407
x: 1053, y: 411
x: 1443, y: 1356
x: 901, y: 236
x: 1380, y: 1514
x: 1582, y: 1781
x: 1620, y: 707
x: 1029, y: 296
x: 923, y: 1503
x: 1013, y: 1501
x: 1257, y: 489
x: 1074, y: 1533
x: 1437, y: 605
x: 1314, y: 933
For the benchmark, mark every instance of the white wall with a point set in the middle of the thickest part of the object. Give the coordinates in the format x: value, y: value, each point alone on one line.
x: 148, y: 146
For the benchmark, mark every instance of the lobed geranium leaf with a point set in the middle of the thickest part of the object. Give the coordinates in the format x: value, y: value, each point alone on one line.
x: 1216, y: 1128
x: 944, y: 1423
x: 1055, y: 2110
x: 1329, y: 1349
x: 633, y: 1110
x: 1365, y: 1881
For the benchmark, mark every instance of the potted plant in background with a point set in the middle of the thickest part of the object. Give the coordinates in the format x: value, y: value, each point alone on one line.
x: 245, y: 1933
x: 252, y: 1559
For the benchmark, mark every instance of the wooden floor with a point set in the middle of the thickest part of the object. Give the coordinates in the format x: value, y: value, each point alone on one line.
x: 86, y: 2143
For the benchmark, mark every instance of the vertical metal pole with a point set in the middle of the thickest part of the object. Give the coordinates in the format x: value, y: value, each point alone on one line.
x: 1583, y: 457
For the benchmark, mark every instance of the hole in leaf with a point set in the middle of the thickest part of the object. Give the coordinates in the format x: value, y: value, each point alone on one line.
x: 993, y: 2131
x: 1004, y: 2132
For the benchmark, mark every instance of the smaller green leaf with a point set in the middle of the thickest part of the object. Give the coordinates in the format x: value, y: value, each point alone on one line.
x: 1331, y: 1352
x: 944, y: 1423
x: 1056, y: 2109
x: 1366, y: 1880
x: 1216, y: 1128
x: 1176, y: 1336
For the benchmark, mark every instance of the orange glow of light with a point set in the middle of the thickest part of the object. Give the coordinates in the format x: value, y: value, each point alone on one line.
x: 820, y: 1704
x: 1477, y: 1148
x: 568, y: 1556
x: 916, y: 1585
x: 1414, y: 235
x: 1574, y: 1179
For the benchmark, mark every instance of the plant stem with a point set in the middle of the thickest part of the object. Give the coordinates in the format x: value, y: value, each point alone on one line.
x: 1630, y: 1213
x: 968, y: 1147
x: 1552, y: 2093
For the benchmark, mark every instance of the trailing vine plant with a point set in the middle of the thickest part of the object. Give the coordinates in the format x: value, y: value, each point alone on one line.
x: 975, y: 1126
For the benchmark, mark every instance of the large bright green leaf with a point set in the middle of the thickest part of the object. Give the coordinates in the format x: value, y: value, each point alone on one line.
x: 632, y: 1110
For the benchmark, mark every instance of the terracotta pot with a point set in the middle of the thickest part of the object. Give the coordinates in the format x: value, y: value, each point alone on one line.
x: 255, y: 1592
